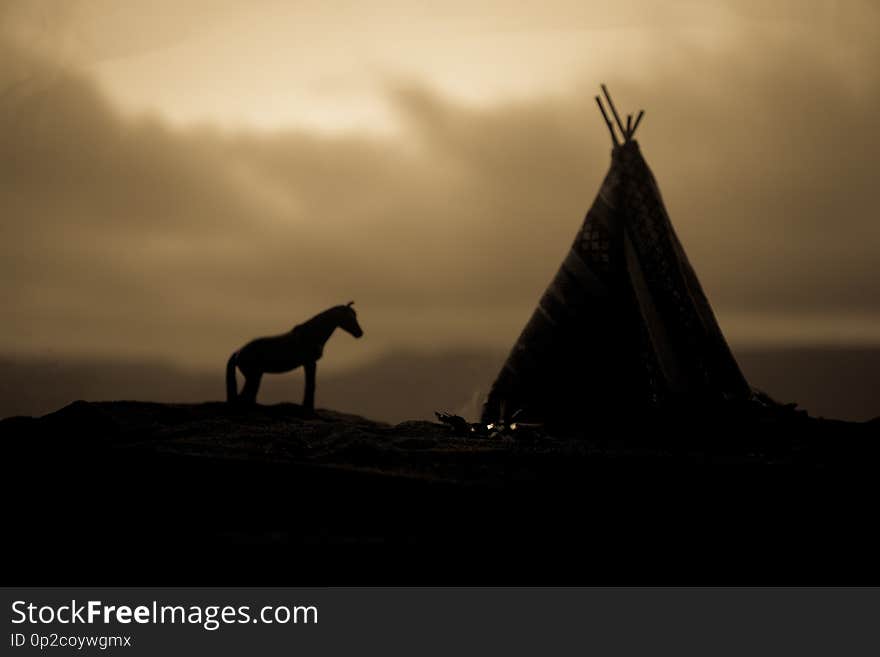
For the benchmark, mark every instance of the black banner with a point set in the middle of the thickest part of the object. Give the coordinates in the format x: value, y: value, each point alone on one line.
x: 443, y: 621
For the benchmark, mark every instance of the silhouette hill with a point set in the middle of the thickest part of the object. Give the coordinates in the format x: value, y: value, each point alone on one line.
x: 212, y: 493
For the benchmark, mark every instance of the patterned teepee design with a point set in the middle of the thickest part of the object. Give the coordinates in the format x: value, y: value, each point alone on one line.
x: 624, y: 324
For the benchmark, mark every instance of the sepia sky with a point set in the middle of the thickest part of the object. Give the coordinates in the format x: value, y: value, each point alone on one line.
x: 176, y: 178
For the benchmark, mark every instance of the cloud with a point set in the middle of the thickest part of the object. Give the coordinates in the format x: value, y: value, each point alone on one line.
x: 130, y: 237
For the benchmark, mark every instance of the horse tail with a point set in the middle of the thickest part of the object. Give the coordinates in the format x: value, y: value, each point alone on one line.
x: 231, y: 383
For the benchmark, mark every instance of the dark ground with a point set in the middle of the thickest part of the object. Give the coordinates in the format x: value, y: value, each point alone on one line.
x: 147, y: 493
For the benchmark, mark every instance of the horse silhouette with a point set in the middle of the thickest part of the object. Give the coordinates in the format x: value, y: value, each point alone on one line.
x: 301, y: 346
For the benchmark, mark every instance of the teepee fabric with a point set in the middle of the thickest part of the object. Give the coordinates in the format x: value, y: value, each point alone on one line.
x: 625, y: 323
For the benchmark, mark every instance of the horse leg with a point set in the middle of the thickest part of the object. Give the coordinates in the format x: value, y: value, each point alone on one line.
x: 309, y: 396
x: 251, y: 386
x: 231, y: 383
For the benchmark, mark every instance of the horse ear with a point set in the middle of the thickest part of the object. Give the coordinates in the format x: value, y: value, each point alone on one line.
x: 350, y: 304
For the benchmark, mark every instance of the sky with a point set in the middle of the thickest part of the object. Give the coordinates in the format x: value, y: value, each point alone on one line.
x: 177, y: 178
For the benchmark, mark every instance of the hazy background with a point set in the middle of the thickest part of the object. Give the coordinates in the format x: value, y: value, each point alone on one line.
x: 176, y: 178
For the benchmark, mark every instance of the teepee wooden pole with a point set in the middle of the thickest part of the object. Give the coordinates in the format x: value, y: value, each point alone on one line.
x: 614, y: 111
x: 636, y: 124
x: 607, y: 121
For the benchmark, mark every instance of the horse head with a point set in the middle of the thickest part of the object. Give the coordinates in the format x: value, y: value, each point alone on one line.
x: 348, y: 322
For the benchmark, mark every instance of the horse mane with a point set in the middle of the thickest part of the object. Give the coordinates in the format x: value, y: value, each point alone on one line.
x: 317, y: 319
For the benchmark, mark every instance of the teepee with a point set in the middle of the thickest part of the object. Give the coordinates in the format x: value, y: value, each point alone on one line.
x: 624, y: 325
